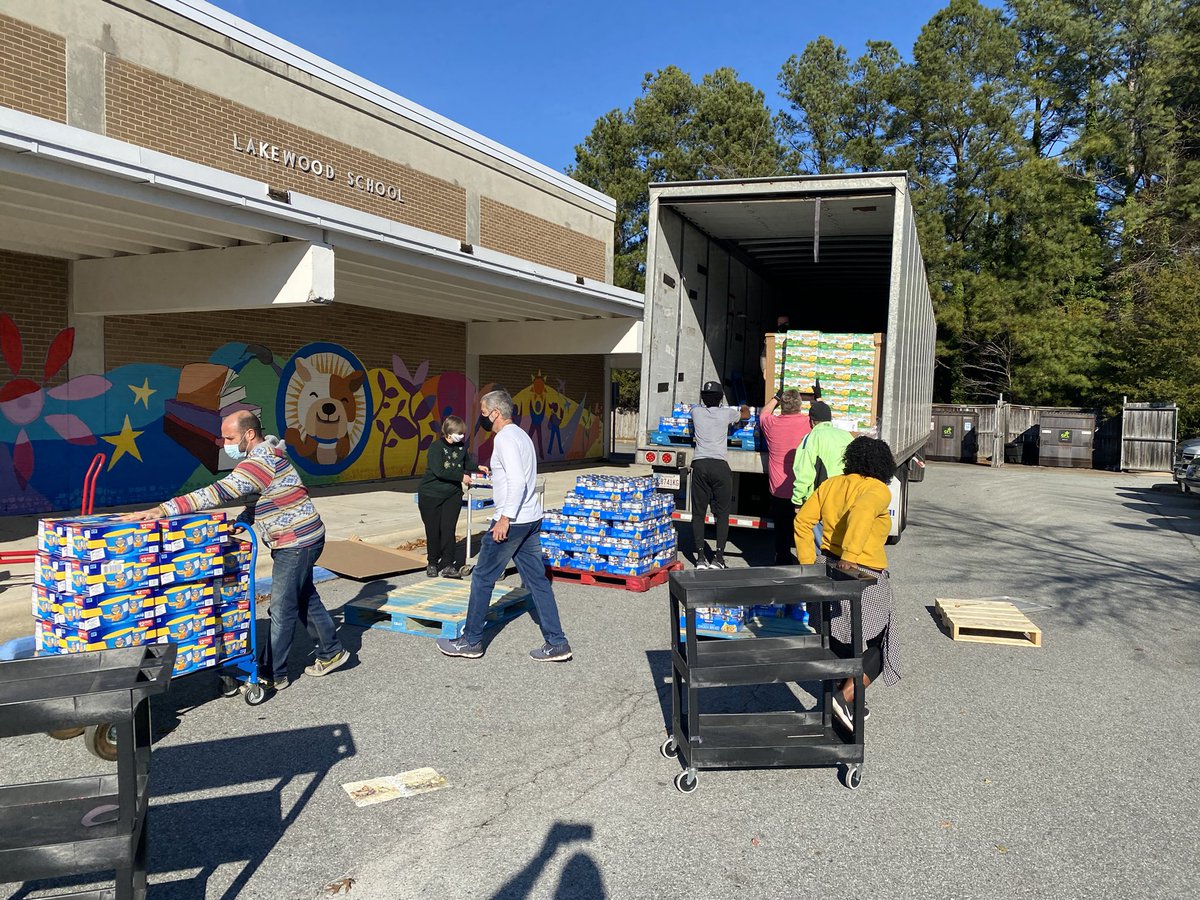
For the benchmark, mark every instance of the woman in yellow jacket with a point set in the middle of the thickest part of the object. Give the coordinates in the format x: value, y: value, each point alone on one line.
x: 853, y: 511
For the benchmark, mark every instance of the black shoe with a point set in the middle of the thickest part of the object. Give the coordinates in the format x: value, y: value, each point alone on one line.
x: 718, y: 562
x: 431, y: 571
x: 451, y: 572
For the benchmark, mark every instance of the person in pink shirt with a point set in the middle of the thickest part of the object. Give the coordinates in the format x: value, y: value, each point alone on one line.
x: 783, y: 433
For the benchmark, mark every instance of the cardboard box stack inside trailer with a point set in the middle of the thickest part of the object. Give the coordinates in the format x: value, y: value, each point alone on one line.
x: 102, y: 583
x: 677, y: 429
x: 845, y: 365
x: 612, y: 524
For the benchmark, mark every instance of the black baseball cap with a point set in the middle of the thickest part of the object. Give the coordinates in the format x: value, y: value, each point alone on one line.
x: 820, y: 412
x: 712, y: 387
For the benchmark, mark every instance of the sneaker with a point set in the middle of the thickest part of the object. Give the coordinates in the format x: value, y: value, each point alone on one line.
x: 325, y: 666
x: 551, y: 653
x: 841, y: 709
x: 431, y: 571
x: 718, y: 562
x: 866, y: 712
x: 459, y: 647
x: 274, y: 684
x: 702, y: 564
x: 451, y: 572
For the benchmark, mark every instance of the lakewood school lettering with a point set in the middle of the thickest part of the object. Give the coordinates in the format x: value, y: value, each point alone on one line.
x: 319, y: 168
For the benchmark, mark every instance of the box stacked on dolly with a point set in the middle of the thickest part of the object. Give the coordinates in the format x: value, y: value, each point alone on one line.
x: 845, y: 365
x: 612, y: 524
x: 191, y: 564
x: 93, y: 583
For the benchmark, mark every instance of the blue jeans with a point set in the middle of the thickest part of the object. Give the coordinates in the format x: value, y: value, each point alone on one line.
x: 524, y: 547
x: 294, y: 598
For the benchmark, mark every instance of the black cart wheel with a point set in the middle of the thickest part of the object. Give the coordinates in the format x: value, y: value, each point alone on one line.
x: 466, y: 571
x: 686, y: 782
x: 101, y: 741
x: 255, y: 694
x: 669, y: 748
x: 65, y: 734
x: 230, y: 686
x: 852, y: 777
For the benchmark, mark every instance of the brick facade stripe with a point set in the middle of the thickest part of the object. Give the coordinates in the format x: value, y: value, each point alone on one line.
x: 176, y: 339
x: 518, y: 233
x: 33, y: 292
x: 146, y: 108
x: 33, y: 70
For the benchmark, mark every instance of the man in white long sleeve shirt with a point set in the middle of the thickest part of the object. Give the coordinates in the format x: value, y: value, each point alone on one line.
x: 514, y: 535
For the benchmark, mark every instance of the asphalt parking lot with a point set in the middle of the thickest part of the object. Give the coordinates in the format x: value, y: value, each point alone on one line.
x: 992, y: 771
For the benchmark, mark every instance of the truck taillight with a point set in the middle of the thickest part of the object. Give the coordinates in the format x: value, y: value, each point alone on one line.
x: 666, y: 458
x: 651, y: 456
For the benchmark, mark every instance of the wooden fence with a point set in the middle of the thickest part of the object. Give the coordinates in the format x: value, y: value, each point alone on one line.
x: 1148, y: 435
x: 624, y: 426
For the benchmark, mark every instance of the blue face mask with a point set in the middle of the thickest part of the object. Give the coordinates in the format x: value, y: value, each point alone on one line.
x: 235, y: 451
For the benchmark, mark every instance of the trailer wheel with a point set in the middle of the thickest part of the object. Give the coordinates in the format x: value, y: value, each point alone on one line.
x: 101, y: 741
x: 686, y: 782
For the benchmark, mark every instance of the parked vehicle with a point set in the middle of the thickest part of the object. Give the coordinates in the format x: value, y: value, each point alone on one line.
x: 1185, y: 454
x: 1191, y: 477
x: 726, y: 259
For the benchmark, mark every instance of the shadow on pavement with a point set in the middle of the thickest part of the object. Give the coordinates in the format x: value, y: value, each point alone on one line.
x: 581, y: 878
x: 241, y: 825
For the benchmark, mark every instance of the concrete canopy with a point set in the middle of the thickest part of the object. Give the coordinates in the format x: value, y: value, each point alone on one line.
x: 72, y: 194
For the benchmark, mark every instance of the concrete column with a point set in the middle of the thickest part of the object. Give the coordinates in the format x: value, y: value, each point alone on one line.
x: 88, y: 358
x: 471, y: 370
x: 473, y: 216
x: 85, y: 86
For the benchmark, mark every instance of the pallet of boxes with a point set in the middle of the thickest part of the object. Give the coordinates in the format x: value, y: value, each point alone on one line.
x: 611, y: 531
x: 676, y: 429
x: 846, y: 366
x: 101, y: 583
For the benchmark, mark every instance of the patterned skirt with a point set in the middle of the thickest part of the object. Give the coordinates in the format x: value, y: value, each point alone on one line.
x: 878, y: 616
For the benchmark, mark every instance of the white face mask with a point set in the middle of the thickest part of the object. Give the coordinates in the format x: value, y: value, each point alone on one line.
x: 454, y: 439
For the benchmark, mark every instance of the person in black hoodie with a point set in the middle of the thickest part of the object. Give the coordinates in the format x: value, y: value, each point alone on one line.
x: 439, y: 496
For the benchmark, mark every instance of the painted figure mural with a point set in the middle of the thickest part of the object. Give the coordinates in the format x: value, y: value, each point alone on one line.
x: 342, y: 422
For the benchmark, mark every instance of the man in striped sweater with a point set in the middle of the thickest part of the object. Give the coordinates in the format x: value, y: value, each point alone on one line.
x: 276, y: 499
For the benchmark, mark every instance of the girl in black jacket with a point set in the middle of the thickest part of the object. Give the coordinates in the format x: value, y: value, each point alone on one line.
x: 439, y: 496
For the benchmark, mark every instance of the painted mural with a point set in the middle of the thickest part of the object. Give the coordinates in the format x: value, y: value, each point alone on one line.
x: 160, y: 425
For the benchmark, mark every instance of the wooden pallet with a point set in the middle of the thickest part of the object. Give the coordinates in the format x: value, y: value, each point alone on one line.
x: 437, y: 609
x: 636, y: 583
x: 988, y: 622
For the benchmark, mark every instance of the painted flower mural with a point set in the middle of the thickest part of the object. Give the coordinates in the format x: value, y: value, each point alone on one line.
x: 23, y: 401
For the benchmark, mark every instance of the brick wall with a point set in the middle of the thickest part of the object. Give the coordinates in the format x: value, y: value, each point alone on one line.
x: 176, y: 339
x: 33, y: 70
x: 520, y: 234
x: 584, y: 375
x: 33, y: 291
x: 151, y: 110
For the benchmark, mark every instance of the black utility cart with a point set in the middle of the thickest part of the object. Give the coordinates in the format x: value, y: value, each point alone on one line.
x: 94, y: 824
x: 754, y: 740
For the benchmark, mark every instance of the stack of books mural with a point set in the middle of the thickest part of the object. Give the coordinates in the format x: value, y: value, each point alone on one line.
x: 206, y: 395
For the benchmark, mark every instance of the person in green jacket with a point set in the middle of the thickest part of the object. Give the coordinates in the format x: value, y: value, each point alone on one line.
x: 820, y: 454
x: 439, y: 497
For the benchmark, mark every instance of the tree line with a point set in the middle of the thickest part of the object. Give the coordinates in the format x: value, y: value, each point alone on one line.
x: 1053, y: 151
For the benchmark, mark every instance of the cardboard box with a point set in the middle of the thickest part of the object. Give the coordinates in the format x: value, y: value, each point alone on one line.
x: 235, y: 618
x: 194, y: 626
x: 231, y: 589
x: 103, y: 538
x: 193, y: 531
x: 106, y: 613
x: 237, y: 557
x: 192, y: 657
x: 126, y: 634
x: 191, y: 565
x: 112, y: 576
x: 233, y: 643
x: 177, y: 598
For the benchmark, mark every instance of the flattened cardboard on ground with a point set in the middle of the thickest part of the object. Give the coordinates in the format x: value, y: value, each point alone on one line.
x: 357, y: 559
x: 406, y: 784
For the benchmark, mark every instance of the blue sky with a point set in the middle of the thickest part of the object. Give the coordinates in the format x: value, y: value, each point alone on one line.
x: 536, y: 76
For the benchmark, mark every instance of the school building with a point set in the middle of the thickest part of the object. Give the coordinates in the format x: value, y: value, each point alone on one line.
x: 198, y: 217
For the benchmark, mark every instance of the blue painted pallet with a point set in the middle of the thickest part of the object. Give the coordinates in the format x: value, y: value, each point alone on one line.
x: 436, y: 608
x: 756, y: 626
